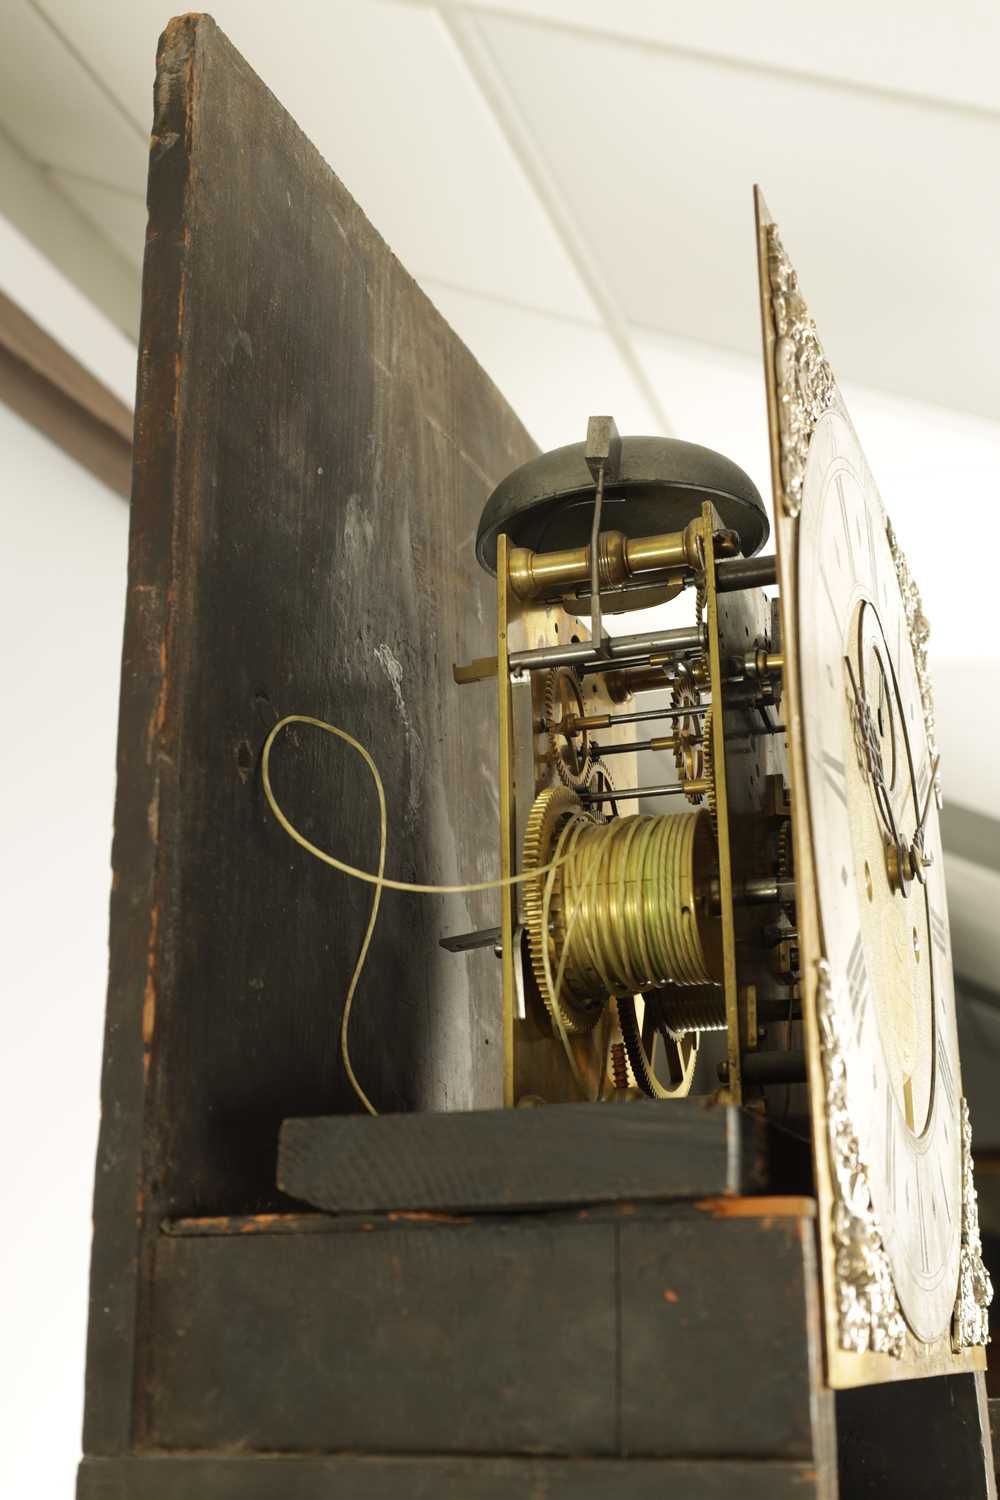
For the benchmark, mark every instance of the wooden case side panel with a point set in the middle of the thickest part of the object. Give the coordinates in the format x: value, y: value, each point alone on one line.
x: 408, y: 1339
x: 737, y: 1374
x: 593, y: 1333
x: 917, y: 1437
x: 142, y: 870
x: 436, y: 1477
x: 313, y: 447
x: 340, y: 441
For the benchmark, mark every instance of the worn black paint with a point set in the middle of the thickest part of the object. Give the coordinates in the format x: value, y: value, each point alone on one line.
x: 916, y: 1438
x: 313, y: 446
x: 279, y: 1477
x: 525, y: 1158
x: 667, y: 1330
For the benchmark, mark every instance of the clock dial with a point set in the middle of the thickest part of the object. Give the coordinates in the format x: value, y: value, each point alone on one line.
x: 882, y: 909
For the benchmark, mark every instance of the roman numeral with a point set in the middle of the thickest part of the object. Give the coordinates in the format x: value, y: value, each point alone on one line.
x: 830, y: 599
x: 835, y: 775
x: 939, y: 931
x: 890, y: 1148
x: 846, y: 523
x: 922, y: 779
x: 944, y: 1193
x: 947, y: 1076
x: 857, y: 983
x: 871, y: 547
x: 925, y: 1263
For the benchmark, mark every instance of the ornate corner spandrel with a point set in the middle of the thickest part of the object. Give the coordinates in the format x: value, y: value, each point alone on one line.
x: 920, y: 634
x: 971, y: 1324
x: 869, y: 1316
x: 805, y: 387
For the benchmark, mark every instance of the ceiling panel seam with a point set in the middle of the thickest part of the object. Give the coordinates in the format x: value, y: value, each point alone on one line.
x: 90, y: 71
x: 636, y: 41
x: 88, y: 179
x: 52, y: 177
x: 497, y: 299
x: 78, y: 246
x: 492, y: 84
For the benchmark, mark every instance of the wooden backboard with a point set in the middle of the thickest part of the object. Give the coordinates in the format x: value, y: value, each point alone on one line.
x: 313, y: 448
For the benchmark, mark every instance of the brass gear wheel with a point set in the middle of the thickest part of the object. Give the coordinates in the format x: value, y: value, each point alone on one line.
x: 786, y: 863
x: 545, y: 823
x: 689, y: 752
x: 570, y: 755
x: 601, y: 773
x: 680, y: 1052
x: 708, y: 771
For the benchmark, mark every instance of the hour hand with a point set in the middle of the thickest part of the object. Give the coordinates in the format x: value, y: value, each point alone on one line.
x: 903, y: 862
x: 872, y: 753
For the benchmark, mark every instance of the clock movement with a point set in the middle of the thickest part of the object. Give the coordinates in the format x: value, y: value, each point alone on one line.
x: 781, y: 882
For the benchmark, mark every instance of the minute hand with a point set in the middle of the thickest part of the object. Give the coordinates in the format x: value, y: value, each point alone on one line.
x: 918, y: 832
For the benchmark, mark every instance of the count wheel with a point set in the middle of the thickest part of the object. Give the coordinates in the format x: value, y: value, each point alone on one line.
x: 662, y: 1061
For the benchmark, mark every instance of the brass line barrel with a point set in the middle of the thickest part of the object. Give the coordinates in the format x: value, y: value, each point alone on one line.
x: 629, y: 909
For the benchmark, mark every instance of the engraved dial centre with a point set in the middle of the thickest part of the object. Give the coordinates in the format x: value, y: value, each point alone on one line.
x: 894, y: 924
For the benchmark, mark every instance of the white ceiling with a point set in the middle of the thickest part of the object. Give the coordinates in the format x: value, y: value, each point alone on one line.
x: 461, y: 127
x: 571, y: 181
x: 595, y: 162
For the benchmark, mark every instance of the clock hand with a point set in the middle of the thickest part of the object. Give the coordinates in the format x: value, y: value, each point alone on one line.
x: 863, y: 714
x: 918, y: 832
x: 903, y: 861
x: 873, y: 754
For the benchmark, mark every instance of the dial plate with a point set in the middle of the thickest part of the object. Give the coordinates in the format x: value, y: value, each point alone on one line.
x: 868, y: 773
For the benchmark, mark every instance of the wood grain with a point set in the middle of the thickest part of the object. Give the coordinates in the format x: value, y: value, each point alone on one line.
x: 623, y: 1330
x: 524, y: 1158
x: 313, y: 447
x: 731, y: 1322
x: 280, y: 1477
x: 916, y: 1437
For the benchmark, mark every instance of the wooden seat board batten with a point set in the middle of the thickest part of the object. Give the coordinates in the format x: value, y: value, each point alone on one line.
x: 490, y: 1160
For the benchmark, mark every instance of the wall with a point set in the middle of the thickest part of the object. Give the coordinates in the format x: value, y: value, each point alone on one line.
x: 61, y: 607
